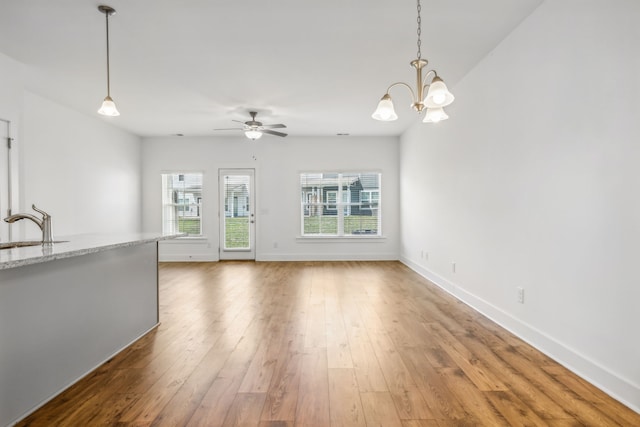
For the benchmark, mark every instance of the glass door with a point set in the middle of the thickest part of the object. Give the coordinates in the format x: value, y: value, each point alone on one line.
x: 237, y: 214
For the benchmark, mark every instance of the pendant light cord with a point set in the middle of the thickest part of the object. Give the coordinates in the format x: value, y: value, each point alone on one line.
x: 108, y: 72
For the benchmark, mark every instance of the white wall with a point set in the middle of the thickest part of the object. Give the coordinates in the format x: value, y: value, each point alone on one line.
x: 80, y: 169
x: 533, y: 183
x: 277, y: 163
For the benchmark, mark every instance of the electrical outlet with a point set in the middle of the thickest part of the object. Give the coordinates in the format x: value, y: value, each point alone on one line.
x: 275, y: 245
x: 520, y: 295
x: 453, y: 267
x: 426, y: 256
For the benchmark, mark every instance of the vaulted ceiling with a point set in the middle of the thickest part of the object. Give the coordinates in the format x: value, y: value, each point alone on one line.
x: 191, y: 66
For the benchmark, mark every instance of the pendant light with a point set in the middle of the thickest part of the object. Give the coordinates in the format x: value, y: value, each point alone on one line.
x: 438, y: 96
x: 108, y: 107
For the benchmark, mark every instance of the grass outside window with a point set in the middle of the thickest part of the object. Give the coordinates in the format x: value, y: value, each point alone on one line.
x: 328, y: 225
x: 236, y: 233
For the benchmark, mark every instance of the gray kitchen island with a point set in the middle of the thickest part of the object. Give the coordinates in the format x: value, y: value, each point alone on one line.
x: 66, y: 308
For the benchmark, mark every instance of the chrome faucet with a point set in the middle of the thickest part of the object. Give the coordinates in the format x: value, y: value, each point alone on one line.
x: 44, y: 223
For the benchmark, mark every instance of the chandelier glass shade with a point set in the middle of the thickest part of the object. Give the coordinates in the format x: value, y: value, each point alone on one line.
x: 434, y: 115
x: 385, y: 111
x: 437, y: 94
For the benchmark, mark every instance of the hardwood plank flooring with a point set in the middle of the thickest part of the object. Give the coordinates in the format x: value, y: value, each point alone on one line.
x: 324, y: 344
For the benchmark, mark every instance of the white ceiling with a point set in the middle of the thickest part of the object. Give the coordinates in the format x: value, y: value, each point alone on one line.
x: 194, y: 65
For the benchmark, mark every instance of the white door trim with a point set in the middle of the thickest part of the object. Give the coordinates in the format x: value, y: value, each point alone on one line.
x: 236, y: 207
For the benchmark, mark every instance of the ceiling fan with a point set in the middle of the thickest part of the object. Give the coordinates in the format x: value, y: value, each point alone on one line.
x: 254, y: 129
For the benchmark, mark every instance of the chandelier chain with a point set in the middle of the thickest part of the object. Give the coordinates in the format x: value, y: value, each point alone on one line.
x: 419, y: 32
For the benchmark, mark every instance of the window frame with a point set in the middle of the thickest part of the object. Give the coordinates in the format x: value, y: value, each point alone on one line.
x: 171, y: 202
x: 344, y: 206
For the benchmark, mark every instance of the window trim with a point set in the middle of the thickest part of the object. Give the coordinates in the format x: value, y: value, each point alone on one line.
x: 199, y: 206
x: 342, y: 209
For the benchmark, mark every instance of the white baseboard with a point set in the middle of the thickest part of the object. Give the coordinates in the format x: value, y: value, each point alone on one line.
x: 600, y: 376
x: 187, y: 258
x: 347, y: 256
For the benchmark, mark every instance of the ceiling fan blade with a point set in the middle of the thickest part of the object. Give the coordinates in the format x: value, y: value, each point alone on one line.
x: 273, y: 132
x: 230, y: 129
x: 276, y: 126
x: 238, y: 121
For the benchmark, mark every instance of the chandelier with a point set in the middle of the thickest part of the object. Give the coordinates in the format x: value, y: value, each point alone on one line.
x: 438, y: 96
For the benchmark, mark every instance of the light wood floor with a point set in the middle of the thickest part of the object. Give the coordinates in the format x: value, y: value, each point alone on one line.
x: 324, y: 344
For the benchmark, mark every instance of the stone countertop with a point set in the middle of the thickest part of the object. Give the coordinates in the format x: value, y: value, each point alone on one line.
x: 72, y: 246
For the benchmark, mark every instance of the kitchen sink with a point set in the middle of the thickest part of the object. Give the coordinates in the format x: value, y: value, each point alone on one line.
x: 11, y: 245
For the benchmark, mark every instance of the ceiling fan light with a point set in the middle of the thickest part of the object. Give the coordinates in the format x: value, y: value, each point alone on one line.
x: 385, y: 111
x: 438, y: 94
x: 108, y: 108
x: 435, y: 115
x: 253, y: 134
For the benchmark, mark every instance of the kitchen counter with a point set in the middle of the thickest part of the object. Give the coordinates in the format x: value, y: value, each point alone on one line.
x: 72, y: 246
x: 66, y: 308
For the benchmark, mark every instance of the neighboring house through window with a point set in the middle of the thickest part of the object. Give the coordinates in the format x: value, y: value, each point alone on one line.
x: 369, y: 199
x: 340, y: 204
x: 182, y: 203
x: 332, y: 200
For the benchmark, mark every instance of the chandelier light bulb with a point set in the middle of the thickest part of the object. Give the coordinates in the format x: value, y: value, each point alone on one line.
x: 439, y: 98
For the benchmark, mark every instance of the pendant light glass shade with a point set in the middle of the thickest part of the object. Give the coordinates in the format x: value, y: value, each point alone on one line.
x: 253, y: 134
x: 385, y: 111
x: 438, y: 94
x: 108, y: 108
x: 435, y: 115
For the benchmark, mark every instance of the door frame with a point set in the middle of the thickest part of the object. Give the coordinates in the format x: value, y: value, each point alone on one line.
x: 6, y: 185
x: 237, y: 254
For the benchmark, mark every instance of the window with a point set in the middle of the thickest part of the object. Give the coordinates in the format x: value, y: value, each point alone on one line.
x: 332, y: 197
x: 182, y: 203
x: 369, y: 199
x: 340, y: 204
